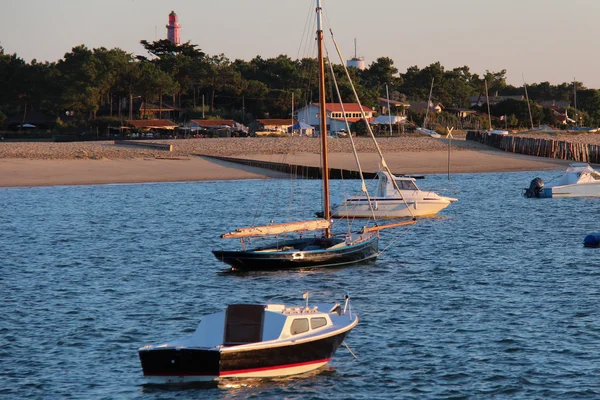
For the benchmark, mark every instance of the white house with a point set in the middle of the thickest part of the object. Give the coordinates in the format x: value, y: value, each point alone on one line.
x: 335, y: 119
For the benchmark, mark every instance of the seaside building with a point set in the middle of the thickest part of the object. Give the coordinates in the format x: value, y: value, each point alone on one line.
x: 421, y: 106
x: 335, y: 120
x: 173, y: 29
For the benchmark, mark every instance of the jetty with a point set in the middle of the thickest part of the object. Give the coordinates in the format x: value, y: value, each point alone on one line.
x: 303, y: 171
x: 558, y: 149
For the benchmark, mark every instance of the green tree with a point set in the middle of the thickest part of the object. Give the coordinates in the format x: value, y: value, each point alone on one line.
x: 78, y: 79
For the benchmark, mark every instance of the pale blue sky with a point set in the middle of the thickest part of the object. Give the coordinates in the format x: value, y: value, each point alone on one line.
x: 544, y: 40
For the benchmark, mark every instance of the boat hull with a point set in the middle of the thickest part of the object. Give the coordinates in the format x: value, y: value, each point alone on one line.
x: 390, y: 208
x: 253, y: 260
x: 163, y: 366
x: 576, y: 190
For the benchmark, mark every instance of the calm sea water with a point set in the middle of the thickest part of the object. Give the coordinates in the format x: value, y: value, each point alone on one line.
x: 495, y: 298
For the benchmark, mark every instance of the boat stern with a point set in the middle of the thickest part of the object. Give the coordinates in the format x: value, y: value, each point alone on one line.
x: 162, y: 365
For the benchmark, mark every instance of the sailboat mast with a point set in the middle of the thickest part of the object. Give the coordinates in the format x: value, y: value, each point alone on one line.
x: 387, y: 94
x: 428, y: 103
x: 487, y: 100
x: 575, y: 101
x: 323, y: 117
x: 528, y: 105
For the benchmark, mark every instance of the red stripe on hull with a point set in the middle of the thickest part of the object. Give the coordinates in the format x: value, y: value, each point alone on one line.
x: 246, y: 371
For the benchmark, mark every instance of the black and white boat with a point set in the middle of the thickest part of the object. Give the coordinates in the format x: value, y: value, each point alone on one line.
x: 252, y: 341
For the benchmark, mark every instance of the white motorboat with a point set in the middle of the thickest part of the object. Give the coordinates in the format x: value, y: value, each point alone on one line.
x: 252, y: 341
x: 409, y: 201
x: 579, y: 180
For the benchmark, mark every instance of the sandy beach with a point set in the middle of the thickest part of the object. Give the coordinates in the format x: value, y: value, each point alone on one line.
x: 81, y: 163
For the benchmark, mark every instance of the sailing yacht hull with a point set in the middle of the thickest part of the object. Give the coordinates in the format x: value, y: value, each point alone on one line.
x: 281, y: 258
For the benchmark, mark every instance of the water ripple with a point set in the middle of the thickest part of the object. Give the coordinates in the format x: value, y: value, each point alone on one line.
x: 496, y: 298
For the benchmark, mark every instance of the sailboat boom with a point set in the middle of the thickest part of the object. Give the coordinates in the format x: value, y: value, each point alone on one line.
x: 277, y: 229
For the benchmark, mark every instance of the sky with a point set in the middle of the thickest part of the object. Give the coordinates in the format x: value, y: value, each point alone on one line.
x: 534, y: 40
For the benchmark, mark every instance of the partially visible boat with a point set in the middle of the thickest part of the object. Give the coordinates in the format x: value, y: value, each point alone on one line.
x: 582, y: 129
x: 422, y: 130
x: 579, y: 180
x: 428, y: 132
x: 497, y: 132
x: 491, y: 131
x: 389, y: 202
x: 251, y: 341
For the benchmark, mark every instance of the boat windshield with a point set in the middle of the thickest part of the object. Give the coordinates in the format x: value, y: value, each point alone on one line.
x: 404, y: 184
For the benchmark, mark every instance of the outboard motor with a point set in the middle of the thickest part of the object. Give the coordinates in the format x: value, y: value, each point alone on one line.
x: 535, y: 187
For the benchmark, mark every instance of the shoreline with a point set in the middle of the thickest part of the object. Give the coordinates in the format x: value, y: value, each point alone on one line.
x: 31, y: 173
x: 26, y: 164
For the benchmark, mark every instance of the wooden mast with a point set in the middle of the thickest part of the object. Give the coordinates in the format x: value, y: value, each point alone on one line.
x: 323, y: 117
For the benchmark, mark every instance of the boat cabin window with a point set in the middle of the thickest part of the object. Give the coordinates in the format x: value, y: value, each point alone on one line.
x: 299, y: 325
x: 406, y: 185
x: 317, y: 322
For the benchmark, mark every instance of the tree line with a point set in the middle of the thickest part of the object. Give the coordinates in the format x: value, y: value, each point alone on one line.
x: 88, y: 82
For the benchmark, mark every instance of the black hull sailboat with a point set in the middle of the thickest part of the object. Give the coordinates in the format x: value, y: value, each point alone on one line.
x: 303, y: 253
x: 323, y: 249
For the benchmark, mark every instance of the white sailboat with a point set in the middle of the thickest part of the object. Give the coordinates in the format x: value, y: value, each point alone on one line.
x: 490, y: 130
x: 423, y: 130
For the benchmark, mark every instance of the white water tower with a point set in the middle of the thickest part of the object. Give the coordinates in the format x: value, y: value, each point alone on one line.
x: 356, y: 62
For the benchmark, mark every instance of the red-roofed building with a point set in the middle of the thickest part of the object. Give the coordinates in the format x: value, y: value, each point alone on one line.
x: 335, y: 116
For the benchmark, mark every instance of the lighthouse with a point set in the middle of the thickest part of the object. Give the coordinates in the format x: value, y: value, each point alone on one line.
x: 173, y: 29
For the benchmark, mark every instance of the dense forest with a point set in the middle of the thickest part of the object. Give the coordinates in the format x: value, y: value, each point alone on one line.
x: 91, y: 84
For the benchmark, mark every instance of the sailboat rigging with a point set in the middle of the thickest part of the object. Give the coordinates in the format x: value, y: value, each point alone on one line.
x: 323, y: 249
x: 487, y: 100
x: 396, y: 197
x: 423, y: 130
